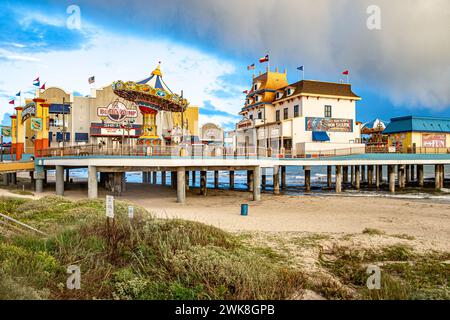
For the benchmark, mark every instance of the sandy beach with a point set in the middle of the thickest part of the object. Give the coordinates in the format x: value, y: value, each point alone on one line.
x: 422, y: 219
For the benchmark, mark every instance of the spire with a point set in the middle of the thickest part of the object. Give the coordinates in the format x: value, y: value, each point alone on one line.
x: 157, y: 71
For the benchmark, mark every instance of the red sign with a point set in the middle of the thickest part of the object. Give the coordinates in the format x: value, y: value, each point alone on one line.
x: 433, y: 140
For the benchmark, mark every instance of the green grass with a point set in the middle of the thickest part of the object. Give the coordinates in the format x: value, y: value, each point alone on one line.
x: 146, y: 259
x: 404, y: 273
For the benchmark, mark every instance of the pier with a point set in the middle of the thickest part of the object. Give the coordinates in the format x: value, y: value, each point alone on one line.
x: 107, y: 169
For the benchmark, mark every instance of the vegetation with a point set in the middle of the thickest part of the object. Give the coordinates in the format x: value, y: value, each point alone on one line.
x: 404, y: 274
x: 146, y: 258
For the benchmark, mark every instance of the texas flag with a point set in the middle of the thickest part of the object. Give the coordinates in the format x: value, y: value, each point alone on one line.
x: 346, y: 72
x: 264, y: 59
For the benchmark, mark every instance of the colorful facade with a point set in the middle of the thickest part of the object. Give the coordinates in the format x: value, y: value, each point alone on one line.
x: 419, y: 135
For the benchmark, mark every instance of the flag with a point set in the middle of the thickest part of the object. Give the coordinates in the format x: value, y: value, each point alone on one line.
x: 91, y: 80
x: 251, y: 67
x: 18, y: 94
x: 264, y: 59
x: 345, y: 72
x: 245, y: 91
x: 300, y: 68
x: 37, y: 84
x: 12, y: 101
x: 43, y: 87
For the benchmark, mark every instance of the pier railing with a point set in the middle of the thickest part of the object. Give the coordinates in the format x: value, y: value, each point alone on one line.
x: 193, y: 151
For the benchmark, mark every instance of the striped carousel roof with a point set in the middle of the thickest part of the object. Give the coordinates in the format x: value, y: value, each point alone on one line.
x: 155, y: 80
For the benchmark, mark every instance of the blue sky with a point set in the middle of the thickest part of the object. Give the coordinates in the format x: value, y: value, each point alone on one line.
x: 205, y: 47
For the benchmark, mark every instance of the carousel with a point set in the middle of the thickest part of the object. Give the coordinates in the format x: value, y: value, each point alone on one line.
x: 151, y: 95
x: 373, y: 131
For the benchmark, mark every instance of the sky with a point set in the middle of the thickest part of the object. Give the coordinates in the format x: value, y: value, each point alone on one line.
x: 400, y: 67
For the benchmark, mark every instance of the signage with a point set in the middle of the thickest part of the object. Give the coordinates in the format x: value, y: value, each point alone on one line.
x: 329, y: 124
x: 433, y: 140
x: 116, y: 111
x: 130, y: 212
x: 109, y: 206
x: 275, y: 132
x: 36, y: 124
x: 28, y: 111
x: 117, y: 132
x: 6, y: 131
x: 261, y: 134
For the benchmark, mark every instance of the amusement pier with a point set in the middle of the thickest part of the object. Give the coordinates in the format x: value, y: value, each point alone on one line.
x: 142, y: 126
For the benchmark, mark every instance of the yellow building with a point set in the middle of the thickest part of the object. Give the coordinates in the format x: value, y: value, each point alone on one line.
x: 419, y: 135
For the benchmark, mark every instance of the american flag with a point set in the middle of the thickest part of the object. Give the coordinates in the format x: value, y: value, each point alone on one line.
x: 91, y: 80
x: 251, y: 67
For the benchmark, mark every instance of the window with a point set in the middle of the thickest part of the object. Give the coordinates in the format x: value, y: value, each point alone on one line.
x: 255, y: 87
x: 285, y: 113
x: 296, y: 111
x: 289, y: 91
x: 259, y: 115
x: 279, y: 95
x: 256, y: 98
x: 277, y: 115
x: 327, y: 111
x: 251, y: 117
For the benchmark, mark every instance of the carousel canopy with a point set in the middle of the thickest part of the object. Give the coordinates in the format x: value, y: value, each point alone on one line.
x: 150, y: 94
x: 374, y: 125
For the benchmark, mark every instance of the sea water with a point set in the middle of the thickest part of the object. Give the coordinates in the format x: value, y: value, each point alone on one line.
x: 295, y: 180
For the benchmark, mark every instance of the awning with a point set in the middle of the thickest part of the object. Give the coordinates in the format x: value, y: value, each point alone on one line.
x: 320, y: 136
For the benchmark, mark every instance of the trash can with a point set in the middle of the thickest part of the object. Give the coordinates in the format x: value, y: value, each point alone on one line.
x: 244, y: 209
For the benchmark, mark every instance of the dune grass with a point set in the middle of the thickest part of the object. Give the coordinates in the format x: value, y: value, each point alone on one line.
x: 146, y: 258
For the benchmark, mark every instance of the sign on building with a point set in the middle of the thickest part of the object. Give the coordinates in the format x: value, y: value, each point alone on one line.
x: 116, y: 111
x: 329, y: 124
x: 36, y: 124
x: 6, y: 131
x: 433, y: 140
x: 110, y: 206
x: 28, y: 111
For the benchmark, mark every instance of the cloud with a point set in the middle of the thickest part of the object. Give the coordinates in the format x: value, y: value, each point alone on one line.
x: 407, y: 60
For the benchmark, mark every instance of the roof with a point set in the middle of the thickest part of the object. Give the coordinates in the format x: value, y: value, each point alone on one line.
x: 418, y: 124
x: 155, y: 80
x: 321, y: 88
x: 375, y: 124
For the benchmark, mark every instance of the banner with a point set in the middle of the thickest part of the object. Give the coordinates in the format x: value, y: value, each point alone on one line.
x: 6, y: 131
x: 433, y: 140
x: 36, y: 124
x: 329, y: 124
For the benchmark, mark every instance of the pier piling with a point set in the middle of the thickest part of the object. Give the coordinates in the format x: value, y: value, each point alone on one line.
x: 329, y: 176
x: 276, y: 180
x: 377, y: 176
x: 163, y: 178
x: 345, y: 174
x: 92, y: 182
x: 256, y: 184
x: 391, y: 178
x: 181, y: 185
x: 187, y: 180
x: 231, y: 180
x: 420, y: 179
x: 307, y: 178
x: 59, y: 180
x: 203, y: 183
x: 370, y: 175
x: 154, y: 177
x: 283, y: 177
x: 338, y: 182
x: 263, y: 179
x: 357, y: 177
x: 250, y: 180
x: 216, y: 179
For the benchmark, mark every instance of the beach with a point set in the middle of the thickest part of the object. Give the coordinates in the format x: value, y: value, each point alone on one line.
x: 425, y: 220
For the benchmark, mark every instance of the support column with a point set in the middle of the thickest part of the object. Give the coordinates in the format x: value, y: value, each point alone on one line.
x: 216, y: 179
x: 14, y: 178
x: 92, y: 182
x: 231, y: 180
x: 357, y: 177
x: 181, y: 185
x: 338, y: 179
x: 401, y: 176
x: 437, y: 176
x: 256, y: 184
x: 391, y: 178
x: 345, y: 174
x: 163, y: 178
x: 352, y: 175
x: 263, y: 179
x: 250, y: 180
x: 420, y: 179
x: 5, y: 179
x: 39, y: 185
x: 155, y: 180
x: 377, y: 176
x: 412, y: 173
x: 283, y: 177
x: 363, y: 173
x: 67, y: 176
x: 407, y: 173
x: 173, y: 179
x: 59, y: 180
x: 329, y: 176
x: 187, y: 179
x: 370, y: 175
x: 307, y: 178
x: 203, y: 183
x: 442, y: 175
x: 193, y: 178
x: 276, y: 180
x: 39, y: 175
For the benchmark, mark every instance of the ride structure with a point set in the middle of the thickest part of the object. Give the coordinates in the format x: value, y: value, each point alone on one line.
x: 151, y: 95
